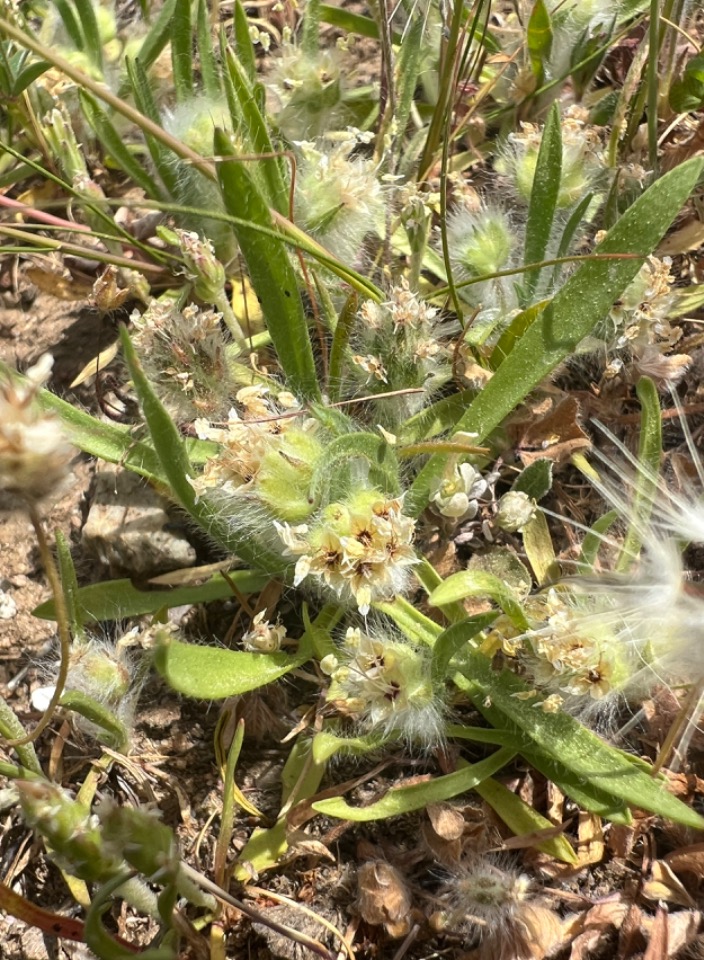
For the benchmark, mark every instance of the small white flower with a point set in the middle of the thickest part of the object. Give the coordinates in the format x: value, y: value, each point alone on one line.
x: 456, y: 496
x: 263, y: 637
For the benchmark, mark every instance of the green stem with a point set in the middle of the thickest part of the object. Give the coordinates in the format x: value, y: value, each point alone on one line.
x: 62, y: 626
x: 653, y: 84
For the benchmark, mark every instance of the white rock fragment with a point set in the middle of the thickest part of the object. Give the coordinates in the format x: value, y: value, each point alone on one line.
x: 8, y: 607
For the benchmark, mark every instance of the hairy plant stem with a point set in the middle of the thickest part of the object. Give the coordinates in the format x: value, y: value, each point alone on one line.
x: 62, y: 626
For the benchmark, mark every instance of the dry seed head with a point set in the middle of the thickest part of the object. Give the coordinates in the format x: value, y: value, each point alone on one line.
x: 34, y: 455
x: 491, y: 901
x: 186, y: 356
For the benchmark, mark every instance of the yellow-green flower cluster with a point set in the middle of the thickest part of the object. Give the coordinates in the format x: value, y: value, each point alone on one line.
x: 266, y: 449
x: 360, y: 548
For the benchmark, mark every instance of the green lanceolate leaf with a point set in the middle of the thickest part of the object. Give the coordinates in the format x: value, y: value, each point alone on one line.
x: 209, y: 68
x: 647, y: 479
x: 69, y: 586
x: 535, y: 480
x: 522, y: 819
x: 539, y: 39
x: 93, y: 45
x: 119, y: 599
x: 264, y: 164
x: 12, y: 729
x: 166, y: 438
x: 326, y: 744
x: 567, y: 742
x: 340, y: 340
x: 107, y: 441
x: 449, y: 644
x: 182, y: 50
x: 114, y: 731
x: 244, y: 47
x: 158, y: 35
x: 399, y: 800
x: 144, y: 99
x: 543, y: 198
x: 272, y: 275
x: 572, y: 314
x: 212, y: 673
x: 477, y: 583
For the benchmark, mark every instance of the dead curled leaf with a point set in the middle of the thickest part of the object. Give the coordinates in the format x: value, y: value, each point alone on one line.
x: 664, y: 885
x: 384, y: 898
x: 591, y: 846
x: 687, y: 860
x: 681, y: 929
x: 550, y: 429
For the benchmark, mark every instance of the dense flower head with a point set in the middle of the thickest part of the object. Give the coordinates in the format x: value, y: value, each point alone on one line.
x: 339, y: 197
x: 398, y: 345
x: 638, y: 325
x: 186, y: 355
x: 34, y: 454
x: 492, y: 902
x: 455, y: 493
x: 360, y: 548
x: 384, y: 681
x: 263, y: 450
x: 480, y: 241
x: 308, y: 90
x: 582, y: 158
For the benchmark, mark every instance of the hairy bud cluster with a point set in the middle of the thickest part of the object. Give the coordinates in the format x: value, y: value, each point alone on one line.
x: 308, y: 89
x: 339, y: 198
x: 186, y: 356
x: 385, y: 682
x: 582, y: 158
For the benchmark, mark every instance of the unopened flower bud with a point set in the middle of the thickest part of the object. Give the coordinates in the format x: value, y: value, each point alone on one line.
x: 202, y: 266
x: 516, y: 510
x: 70, y: 829
x: 34, y: 455
x: 480, y: 243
